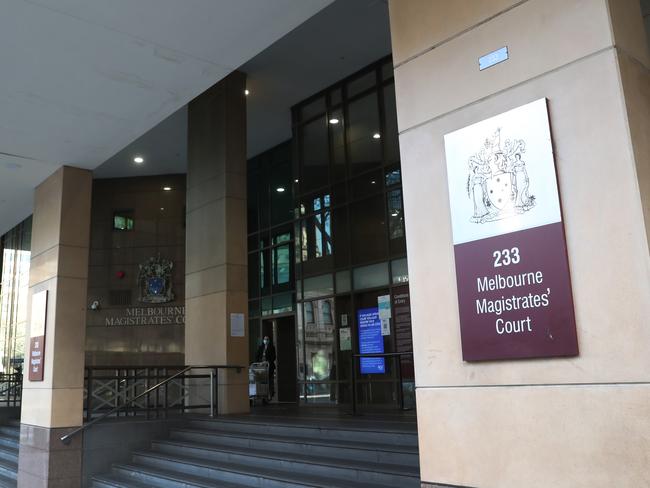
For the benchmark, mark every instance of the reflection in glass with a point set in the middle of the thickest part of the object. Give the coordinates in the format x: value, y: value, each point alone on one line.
x: 363, y: 122
x: 320, y: 347
x: 395, y: 214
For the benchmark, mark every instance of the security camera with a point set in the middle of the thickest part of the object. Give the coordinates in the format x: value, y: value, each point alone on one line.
x: 94, y: 305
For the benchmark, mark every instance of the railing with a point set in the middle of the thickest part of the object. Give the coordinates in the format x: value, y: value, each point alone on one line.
x: 149, y: 391
x: 400, y: 380
x: 11, y: 389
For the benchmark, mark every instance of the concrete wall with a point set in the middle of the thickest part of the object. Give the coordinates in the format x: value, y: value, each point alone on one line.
x: 159, y: 230
x: 575, y: 422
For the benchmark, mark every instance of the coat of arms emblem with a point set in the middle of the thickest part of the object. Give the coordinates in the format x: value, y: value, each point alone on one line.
x: 498, y: 181
x: 155, y: 281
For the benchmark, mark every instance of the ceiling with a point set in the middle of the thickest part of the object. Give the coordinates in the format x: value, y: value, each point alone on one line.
x: 82, y: 79
x: 339, y: 40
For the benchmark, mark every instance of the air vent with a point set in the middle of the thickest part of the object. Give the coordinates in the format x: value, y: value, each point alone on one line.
x: 120, y: 297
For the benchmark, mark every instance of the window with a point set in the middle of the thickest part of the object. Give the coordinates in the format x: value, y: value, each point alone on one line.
x: 123, y: 220
x: 316, y: 231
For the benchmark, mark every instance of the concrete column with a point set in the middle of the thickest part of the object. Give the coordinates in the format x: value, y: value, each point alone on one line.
x: 59, y: 264
x: 216, y: 241
x: 572, y: 422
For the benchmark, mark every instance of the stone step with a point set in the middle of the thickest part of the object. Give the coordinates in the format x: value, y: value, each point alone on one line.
x: 9, y: 469
x: 336, y: 449
x: 147, y: 476
x: 321, y: 431
x: 250, y: 474
x: 385, y: 473
x: 9, y: 453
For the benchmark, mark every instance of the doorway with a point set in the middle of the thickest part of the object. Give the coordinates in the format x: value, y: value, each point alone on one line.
x: 282, y: 332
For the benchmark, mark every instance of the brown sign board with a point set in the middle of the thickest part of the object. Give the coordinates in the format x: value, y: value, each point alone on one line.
x: 512, y: 269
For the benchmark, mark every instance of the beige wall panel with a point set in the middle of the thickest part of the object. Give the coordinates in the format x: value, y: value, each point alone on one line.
x: 205, y: 334
x: 44, y: 266
x: 75, y: 207
x: 236, y: 223
x: 53, y: 408
x: 628, y: 28
x: 205, y: 246
x: 541, y: 35
x: 418, y: 25
x: 536, y: 437
x: 636, y: 86
x: 207, y: 281
x: 47, y: 214
x: 608, y: 252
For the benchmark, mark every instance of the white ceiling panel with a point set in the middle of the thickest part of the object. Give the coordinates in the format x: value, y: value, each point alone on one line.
x: 81, y: 79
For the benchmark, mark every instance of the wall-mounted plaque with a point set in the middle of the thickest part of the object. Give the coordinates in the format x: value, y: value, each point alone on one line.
x: 37, y: 336
x: 512, y: 270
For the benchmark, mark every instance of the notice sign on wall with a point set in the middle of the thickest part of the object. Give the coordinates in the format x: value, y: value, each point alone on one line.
x: 512, y: 271
x: 37, y: 336
x: 370, y: 340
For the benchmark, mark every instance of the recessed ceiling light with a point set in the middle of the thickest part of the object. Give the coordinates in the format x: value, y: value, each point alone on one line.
x: 373, y: 182
x: 280, y: 189
x: 296, y: 180
x: 138, y: 160
x: 376, y: 135
x: 167, y: 188
x: 247, y: 92
x: 162, y: 208
x: 334, y: 120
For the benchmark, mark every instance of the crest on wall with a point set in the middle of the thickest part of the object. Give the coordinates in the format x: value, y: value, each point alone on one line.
x: 155, y: 280
x: 498, y: 181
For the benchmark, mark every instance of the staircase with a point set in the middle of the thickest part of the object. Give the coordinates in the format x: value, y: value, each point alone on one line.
x: 245, y: 451
x: 9, y: 440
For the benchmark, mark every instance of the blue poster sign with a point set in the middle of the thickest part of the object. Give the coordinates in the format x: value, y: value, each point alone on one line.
x: 370, y: 340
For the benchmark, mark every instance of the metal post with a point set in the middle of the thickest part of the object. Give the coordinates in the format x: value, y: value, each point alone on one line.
x: 354, y: 387
x: 212, y: 392
x: 401, y: 384
x: 89, y: 394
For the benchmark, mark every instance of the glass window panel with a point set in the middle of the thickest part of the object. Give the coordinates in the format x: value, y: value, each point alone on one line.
x: 281, y: 193
x: 368, y: 240
x: 400, y: 270
x: 253, y: 274
x: 391, y: 138
x: 395, y: 214
x: 280, y: 238
x: 343, y: 281
x: 312, y: 109
x: 361, y: 83
x: 337, y: 128
x: 317, y: 286
x: 335, y: 96
x: 320, y: 340
x: 300, y: 349
x: 253, y: 242
x: 364, y: 134
x: 339, y: 193
x: 341, y: 236
x: 281, y: 265
x: 368, y: 184
x: 264, y: 209
x: 370, y: 276
x: 393, y: 176
x: 315, y: 155
x: 283, y: 303
x: 264, y: 271
x: 267, y: 306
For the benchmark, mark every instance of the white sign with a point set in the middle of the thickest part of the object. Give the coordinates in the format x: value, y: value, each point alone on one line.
x: 501, y: 174
x: 39, y: 312
x: 345, y: 339
x: 237, y: 325
x: 383, y: 304
x: 344, y: 320
x: 495, y: 57
x: 385, y: 327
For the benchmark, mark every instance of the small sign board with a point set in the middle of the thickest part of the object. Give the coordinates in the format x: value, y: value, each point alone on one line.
x: 345, y: 339
x: 383, y: 304
x: 237, y: 325
x: 492, y: 58
x: 37, y: 336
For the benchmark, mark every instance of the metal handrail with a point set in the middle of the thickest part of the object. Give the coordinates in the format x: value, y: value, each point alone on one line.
x: 376, y: 355
x: 68, y: 437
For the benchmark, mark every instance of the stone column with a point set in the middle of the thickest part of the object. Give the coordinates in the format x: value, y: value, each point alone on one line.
x: 216, y: 242
x: 572, y: 422
x: 59, y: 264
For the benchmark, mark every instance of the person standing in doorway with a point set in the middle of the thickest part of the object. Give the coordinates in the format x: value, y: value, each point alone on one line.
x: 266, y: 352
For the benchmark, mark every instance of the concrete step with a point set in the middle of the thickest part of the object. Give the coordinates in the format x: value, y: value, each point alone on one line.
x: 9, y: 431
x: 321, y: 431
x: 9, y: 469
x: 336, y: 449
x: 249, y: 474
x: 6, y: 482
x: 147, y: 476
x: 9, y: 453
x: 9, y: 442
x: 372, y: 472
